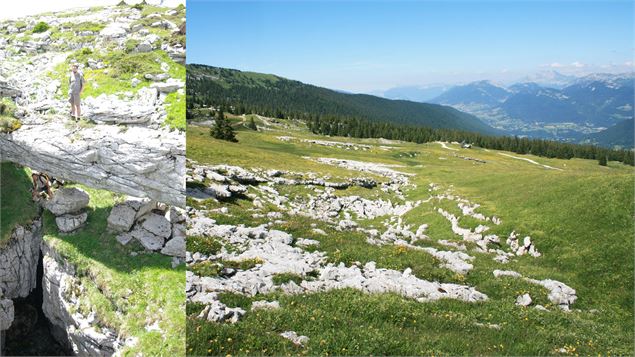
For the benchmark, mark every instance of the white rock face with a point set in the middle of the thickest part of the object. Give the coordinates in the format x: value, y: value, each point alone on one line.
x: 19, y: 259
x: 61, y: 299
x: 139, y: 161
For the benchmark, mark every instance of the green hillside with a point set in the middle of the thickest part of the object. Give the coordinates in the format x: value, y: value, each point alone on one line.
x: 578, y: 214
x: 621, y: 134
x: 276, y: 96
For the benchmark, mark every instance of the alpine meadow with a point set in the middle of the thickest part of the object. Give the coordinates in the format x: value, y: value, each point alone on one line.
x: 375, y: 178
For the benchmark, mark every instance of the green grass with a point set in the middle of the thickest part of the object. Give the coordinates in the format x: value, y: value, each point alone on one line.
x: 16, y: 205
x: 126, y: 292
x: 175, y: 107
x: 581, y: 220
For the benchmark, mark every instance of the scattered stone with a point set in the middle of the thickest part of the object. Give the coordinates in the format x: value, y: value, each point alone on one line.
x: 523, y: 300
x: 265, y: 305
x: 293, y: 337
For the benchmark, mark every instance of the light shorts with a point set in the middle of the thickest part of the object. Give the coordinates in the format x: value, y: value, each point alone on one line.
x: 74, y: 99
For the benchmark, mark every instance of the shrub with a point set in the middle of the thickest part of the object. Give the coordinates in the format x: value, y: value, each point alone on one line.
x: 40, y: 27
x: 203, y: 245
x: 8, y: 124
x: 3, y: 108
x: 283, y: 278
x: 138, y: 6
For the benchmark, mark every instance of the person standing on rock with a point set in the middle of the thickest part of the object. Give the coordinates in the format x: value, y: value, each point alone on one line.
x: 76, y: 86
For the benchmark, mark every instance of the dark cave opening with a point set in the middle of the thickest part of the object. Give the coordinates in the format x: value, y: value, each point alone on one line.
x: 31, y: 333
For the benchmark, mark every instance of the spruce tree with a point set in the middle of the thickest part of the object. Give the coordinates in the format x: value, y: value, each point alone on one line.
x: 602, y: 160
x: 222, y: 129
x: 252, y: 124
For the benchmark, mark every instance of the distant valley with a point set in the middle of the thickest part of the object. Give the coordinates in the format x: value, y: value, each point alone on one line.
x: 559, y: 107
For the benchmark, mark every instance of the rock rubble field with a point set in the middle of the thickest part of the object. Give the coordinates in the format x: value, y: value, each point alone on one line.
x: 248, y: 259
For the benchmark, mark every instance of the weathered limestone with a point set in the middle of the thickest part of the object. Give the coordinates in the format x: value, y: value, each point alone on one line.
x: 70, y: 222
x: 138, y: 161
x: 19, y: 259
x: 295, y: 338
x: 6, y: 312
x: 62, y: 294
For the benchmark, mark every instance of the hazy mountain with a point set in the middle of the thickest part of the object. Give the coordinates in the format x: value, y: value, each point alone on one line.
x: 266, y: 93
x: 414, y: 93
x: 584, y: 106
x: 481, y: 92
x: 553, y: 79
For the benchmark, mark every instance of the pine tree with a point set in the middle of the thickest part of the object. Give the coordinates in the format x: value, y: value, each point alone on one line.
x: 222, y: 129
x: 252, y: 124
x: 602, y: 160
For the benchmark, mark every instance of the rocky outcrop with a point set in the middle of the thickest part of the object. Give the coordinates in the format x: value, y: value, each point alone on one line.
x: 62, y: 292
x: 137, y: 161
x: 155, y: 226
x: 18, y: 260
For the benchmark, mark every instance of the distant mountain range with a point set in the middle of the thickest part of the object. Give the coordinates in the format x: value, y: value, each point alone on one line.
x: 273, y: 95
x: 584, y: 106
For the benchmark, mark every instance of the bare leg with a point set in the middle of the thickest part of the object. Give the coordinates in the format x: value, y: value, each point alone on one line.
x: 79, y: 111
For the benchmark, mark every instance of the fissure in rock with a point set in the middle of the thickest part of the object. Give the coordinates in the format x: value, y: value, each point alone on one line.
x: 31, y: 333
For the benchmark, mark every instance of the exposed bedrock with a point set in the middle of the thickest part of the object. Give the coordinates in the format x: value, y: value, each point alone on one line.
x: 62, y: 291
x: 137, y: 161
x: 18, y: 260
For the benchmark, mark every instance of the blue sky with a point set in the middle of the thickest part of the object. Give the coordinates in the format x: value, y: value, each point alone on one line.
x: 366, y: 46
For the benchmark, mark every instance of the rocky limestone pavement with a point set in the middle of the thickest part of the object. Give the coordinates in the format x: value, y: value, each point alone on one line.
x: 560, y: 294
x: 61, y: 304
x: 275, y: 253
x: 19, y: 259
x: 138, y: 161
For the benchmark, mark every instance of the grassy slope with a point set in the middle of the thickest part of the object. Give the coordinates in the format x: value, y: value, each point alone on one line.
x: 580, y: 219
x: 144, y: 288
x: 16, y: 206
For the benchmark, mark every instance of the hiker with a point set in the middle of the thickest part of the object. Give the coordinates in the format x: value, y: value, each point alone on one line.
x: 75, y: 88
x: 42, y: 184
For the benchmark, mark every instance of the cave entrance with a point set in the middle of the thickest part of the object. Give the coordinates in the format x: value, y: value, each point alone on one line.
x: 31, y: 333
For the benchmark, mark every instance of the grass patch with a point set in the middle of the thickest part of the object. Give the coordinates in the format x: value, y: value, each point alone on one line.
x: 283, y: 278
x: 16, y: 205
x: 203, y: 245
x: 175, y: 107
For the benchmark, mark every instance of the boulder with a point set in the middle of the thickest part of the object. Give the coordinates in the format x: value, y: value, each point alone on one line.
x: 523, y: 300
x: 157, y: 225
x: 147, y: 239
x: 115, y: 30
x: 70, y: 222
x: 121, y: 218
x: 7, y: 90
x: 67, y: 200
x: 156, y: 77
x: 175, y: 247
x: 169, y: 86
